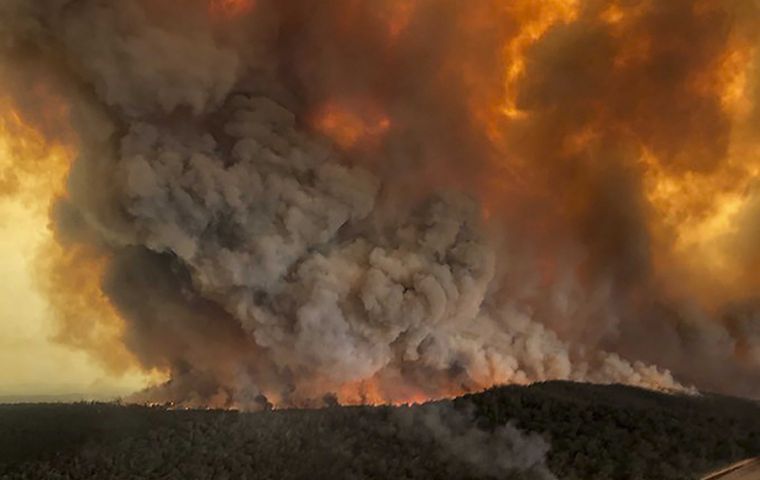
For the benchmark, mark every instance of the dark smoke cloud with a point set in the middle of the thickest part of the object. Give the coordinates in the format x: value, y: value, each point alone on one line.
x: 250, y: 257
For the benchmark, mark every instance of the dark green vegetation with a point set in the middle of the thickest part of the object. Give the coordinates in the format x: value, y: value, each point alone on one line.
x: 611, y: 432
x: 618, y: 432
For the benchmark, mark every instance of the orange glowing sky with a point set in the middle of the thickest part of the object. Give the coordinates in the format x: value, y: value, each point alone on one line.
x: 31, y: 361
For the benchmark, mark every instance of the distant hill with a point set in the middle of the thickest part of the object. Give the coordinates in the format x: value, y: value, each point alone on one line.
x: 544, y: 431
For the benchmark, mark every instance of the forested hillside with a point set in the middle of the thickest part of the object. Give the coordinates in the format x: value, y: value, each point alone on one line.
x: 551, y: 430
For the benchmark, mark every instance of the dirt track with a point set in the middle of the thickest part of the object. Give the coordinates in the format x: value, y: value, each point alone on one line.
x: 746, y: 470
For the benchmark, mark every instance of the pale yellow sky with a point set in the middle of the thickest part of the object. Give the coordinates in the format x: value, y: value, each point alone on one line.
x: 30, y: 362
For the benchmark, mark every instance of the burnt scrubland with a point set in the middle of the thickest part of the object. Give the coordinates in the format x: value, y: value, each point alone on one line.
x: 550, y: 430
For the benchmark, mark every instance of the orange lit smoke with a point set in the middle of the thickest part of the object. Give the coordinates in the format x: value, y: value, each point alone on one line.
x: 545, y: 153
x: 398, y: 16
x: 536, y: 18
x: 231, y: 8
x: 693, y: 212
x: 30, y: 170
x: 33, y: 172
x: 698, y: 213
x: 351, y: 127
x: 70, y: 278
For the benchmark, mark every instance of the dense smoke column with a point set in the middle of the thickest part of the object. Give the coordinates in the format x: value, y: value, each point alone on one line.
x: 394, y: 200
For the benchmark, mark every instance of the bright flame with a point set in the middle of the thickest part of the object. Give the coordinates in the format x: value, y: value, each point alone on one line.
x: 376, y: 391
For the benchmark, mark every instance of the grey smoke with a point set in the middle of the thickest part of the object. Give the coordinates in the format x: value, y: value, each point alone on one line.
x: 251, y: 257
x: 504, y: 452
x: 287, y: 241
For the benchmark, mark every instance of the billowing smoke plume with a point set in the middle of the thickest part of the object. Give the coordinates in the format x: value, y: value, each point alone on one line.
x: 404, y: 199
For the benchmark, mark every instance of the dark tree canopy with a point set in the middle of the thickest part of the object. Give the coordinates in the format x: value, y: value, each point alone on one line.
x: 595, y: 432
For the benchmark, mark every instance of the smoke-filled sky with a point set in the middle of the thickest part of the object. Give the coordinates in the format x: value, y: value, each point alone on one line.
x: 32, y: 363
x: 274, y: 201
